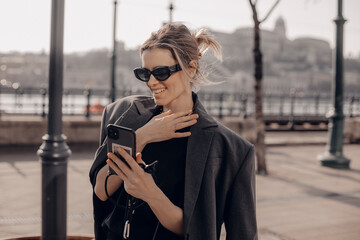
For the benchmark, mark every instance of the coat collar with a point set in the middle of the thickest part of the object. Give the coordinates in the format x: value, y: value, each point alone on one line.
x: 146, y: 108
x: 138, y: 116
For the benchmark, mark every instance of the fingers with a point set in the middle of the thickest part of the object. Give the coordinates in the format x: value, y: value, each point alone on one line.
x: 182, y: 134
x: 119, y: 164
x: 186, y: 122
x: 181, y: 114
x: 138, y: 158
x: 116, y: 169
x: 130, y: 160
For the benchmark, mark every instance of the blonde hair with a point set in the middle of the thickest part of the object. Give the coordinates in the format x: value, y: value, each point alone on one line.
x: 185, y: 46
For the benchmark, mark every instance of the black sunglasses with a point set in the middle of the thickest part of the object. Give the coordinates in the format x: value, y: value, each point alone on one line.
x: 160, y: 73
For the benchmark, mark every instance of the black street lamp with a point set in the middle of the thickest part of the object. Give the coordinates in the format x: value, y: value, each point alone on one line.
x: 333, y: 157
x: 54, y: 152
x: 171, y: 8
x: 113, y: 60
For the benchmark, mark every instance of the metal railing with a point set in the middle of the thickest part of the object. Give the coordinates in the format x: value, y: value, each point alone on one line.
x: 88, y: 102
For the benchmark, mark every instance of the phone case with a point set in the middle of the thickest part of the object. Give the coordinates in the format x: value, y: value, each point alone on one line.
x: 123, y: 137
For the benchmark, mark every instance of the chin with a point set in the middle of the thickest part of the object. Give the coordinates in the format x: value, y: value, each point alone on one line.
x: 159, y: 102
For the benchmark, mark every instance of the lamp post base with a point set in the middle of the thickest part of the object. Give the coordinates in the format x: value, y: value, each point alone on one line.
x: 328, y: 159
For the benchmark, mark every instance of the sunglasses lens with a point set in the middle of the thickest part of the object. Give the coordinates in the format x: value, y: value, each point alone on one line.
x: 142, y: 74
x: 161, y: 73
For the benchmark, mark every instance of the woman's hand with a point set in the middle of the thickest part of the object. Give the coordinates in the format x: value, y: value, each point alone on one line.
x: 163, y: 127
x: 141, y: 185
x: 137, y: 182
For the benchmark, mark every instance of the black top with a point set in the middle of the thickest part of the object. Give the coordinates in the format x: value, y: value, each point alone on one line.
x: 169, y: 175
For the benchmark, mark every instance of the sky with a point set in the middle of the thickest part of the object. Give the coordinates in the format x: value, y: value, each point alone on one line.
x: 25, y: 24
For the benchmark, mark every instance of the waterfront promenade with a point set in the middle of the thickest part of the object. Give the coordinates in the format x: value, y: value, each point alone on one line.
x: 298, y: 199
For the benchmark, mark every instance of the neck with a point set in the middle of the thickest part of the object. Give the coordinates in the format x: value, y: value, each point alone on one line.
x: 179, y: 105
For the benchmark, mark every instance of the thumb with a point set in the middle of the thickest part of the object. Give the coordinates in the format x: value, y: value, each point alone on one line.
x: 138, y: 158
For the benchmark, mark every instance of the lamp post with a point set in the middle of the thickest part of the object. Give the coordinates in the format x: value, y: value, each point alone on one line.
x: 54, y: 151
x: 113, y: 60
x: 171, y: 8
x: 333, y: 156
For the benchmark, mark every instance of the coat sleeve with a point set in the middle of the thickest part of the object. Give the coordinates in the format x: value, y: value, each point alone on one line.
x: 240, y: 213
x: 100, y: 155
x: 100, y: 209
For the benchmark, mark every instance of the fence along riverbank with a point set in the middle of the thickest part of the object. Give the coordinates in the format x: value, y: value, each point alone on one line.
x: 76, y: 102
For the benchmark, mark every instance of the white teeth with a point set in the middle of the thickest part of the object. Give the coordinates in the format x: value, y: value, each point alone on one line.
x: 158, y: 90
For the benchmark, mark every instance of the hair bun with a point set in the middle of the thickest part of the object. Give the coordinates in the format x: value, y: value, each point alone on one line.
x: 206, y: 41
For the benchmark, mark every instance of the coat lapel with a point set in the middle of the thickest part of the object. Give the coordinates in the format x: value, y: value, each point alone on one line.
x: 137, y: 116
x: 197, y: 152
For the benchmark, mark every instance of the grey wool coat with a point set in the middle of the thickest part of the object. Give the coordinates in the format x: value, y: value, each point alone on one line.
x: 219, y: 173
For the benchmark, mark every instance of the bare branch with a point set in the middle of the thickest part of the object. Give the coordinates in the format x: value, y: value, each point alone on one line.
x: 253, y: 8
x: 270, y: 11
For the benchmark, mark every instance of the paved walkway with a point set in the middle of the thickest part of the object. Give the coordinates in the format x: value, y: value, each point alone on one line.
x: 298, y: 200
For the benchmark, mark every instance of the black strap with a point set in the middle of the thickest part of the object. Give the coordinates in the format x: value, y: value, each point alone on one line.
x: 131, y: 201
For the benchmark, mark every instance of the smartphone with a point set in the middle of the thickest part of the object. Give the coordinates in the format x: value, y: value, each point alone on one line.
x: 120, y: 137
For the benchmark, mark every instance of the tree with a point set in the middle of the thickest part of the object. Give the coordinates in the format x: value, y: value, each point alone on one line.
x: 258, y: 74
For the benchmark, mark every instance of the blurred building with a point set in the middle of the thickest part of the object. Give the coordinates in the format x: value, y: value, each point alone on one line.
x: 303, y: 64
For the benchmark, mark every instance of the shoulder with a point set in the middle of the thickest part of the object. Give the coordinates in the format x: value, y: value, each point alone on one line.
x: 230, y: 136
x: 128, y: 101
x: 223, y: 133
x: 115, y: 110
x: 223, y: 137
x: 230, y: 146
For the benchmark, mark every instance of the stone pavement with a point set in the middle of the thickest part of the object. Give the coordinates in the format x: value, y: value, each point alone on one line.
x: 297, y: 200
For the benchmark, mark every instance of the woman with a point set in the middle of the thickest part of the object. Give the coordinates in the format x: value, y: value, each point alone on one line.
x: 205, y: 172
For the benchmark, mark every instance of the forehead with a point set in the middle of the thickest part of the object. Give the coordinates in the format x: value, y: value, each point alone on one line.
x: 152, y: 58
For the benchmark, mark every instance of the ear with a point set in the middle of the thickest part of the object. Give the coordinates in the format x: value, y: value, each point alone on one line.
x: 192, y: 68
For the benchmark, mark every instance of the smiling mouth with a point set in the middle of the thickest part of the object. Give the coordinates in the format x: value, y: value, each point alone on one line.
x: 157, y: 91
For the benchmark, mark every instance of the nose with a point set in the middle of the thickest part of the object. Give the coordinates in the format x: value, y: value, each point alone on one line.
x: 152, y: 81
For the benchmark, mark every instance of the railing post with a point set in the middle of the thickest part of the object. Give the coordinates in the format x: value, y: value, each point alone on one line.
x: 281, y: 105
x: 66, y: 105
x: 244, y: 99
x: 317, y: 100
x: 351, y: 106
x: 87, y: 94
x: 43, y: 104
x: 230, y: 101
x: 292, y: 102
x: 269, y: 102
x: 221, y: 100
